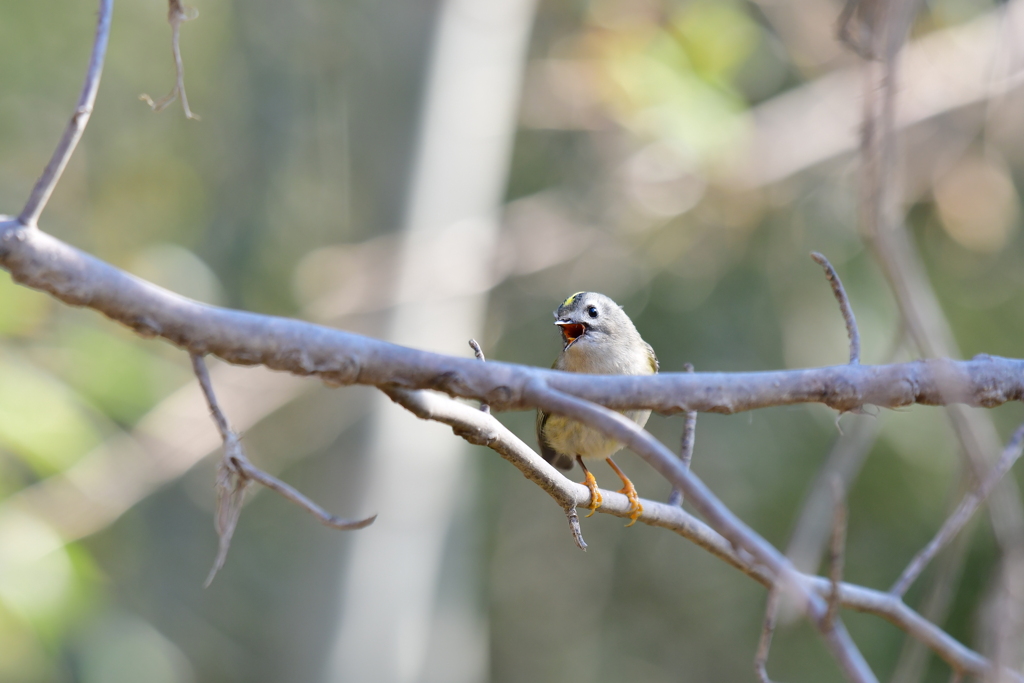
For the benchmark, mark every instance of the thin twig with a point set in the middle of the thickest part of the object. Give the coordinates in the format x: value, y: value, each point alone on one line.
x: 574, y: 528
x: 844, y: 306
x: 479, y: 352
x: 177, y: 14
x: 837, y: 548
x: 76, y: 126
x: 771, y: 612
x: 235, y: 473
x: 956, y: 521
x: 686, y: 445
x: 934, y: 607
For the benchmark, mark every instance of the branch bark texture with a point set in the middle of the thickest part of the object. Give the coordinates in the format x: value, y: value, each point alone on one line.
x: 43, y: 262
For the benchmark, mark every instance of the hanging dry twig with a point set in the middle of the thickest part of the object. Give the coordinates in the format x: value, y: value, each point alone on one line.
x: 235, y: 473
x: 177, y: 14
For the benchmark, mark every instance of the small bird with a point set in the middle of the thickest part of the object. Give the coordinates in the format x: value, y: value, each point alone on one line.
x: 599, y: 339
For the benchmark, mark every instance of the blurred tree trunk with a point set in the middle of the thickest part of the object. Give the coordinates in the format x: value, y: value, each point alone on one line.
x: 410, y: 587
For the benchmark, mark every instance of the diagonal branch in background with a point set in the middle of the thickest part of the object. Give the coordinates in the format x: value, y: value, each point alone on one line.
x: 884, y: 228
x: 235, y: 473
x: 956, y: 522
x: 485, y: 430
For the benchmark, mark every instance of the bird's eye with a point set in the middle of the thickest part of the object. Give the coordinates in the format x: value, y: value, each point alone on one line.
x: 592, y: 312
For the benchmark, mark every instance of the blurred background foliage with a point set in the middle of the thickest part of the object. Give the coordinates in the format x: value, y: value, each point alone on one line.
x: 285, y: 199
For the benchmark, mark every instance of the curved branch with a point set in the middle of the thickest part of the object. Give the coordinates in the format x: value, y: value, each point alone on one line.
x: 76, y: 126
x: 43, y: 262
x: 485, y: 430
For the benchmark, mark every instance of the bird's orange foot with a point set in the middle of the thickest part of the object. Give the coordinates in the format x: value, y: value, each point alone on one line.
x: 635, y: 508
x: 595, y: 495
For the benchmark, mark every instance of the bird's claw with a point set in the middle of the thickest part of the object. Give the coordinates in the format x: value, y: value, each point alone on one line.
x: 635, y: 508
x: 596, y: 499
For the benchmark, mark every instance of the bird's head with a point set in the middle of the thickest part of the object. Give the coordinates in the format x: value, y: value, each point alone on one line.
x: 586, y: 319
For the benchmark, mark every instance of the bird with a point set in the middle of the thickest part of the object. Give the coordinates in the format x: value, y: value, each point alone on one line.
x: 597, y: 338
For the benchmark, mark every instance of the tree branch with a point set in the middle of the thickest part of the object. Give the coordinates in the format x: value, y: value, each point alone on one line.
x: 235, y: 473
x: 43, y: 262
x: 844, y: 306
x: 76, y: 126
x: 685, y: 445
x: 720, y: 517
x: 956, y: 521
x: 771, y: 613
x: 485, y: 430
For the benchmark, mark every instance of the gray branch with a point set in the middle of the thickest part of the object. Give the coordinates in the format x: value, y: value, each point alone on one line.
x: 235, y: 472
x: 844, y: 305
x: 485, y: 430
x: 958, y: 520
x: 76, y: 126
x: 43, y: 262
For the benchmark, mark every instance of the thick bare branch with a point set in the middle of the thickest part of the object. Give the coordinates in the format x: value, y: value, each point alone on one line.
x: 844, y: 306
x: 76, y: 126
x: 39, y: 260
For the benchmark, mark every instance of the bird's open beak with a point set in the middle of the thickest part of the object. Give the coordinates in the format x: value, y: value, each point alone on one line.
x: 571, y: 331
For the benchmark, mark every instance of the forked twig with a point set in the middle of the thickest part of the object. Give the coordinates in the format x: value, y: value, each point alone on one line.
x: 76, y: 126
x: 956, y: 521
x: 686, y: 445
x: 844, y: 306
x: 177, y: 14
x: 235, y: 473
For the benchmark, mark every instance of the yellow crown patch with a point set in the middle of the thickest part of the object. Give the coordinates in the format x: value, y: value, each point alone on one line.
x: 568, y: 302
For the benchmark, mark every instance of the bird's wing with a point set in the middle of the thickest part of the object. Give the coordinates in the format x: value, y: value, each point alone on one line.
x: 655, y: 365
x: 559, y: 460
